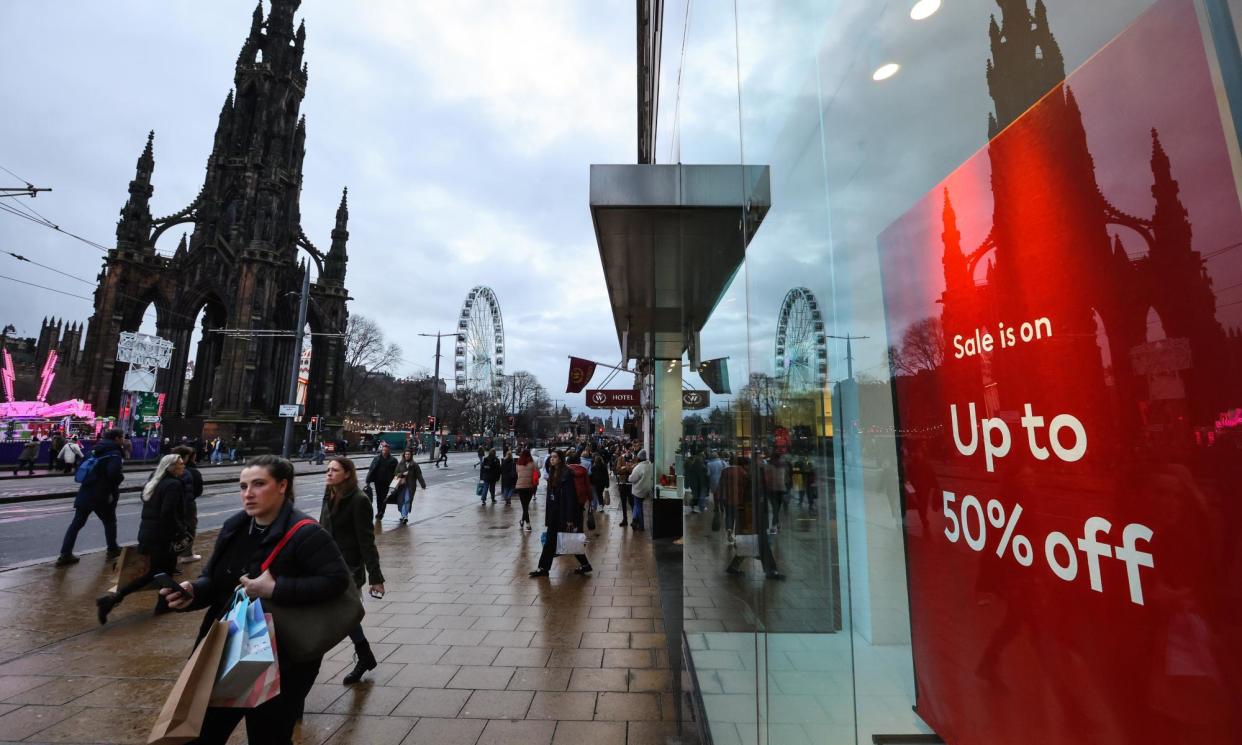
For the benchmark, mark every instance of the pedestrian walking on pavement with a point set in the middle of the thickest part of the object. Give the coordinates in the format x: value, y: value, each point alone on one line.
x: 777, y: 478
x: 69, y: 456
x: 98, y: 492
x: 380, y: 475
x: 527, y: 479
x: 27, y: 457
x: 599, y: 480
x: 625, y: 490
x: 53, y: 452
x: 696, y: 483
x: 715, y: 466
x: 642, y: 479
x: 346, y: 515
x: 562, y: 514
x: 747, y: 516
x: 161, y: 532
x: 443, y: 457
x: 508, y: 477
x: 409, y: 478
x: 482, y: 454
x: 192, y: 478
x: 308, y: 570
x: 489, y: 474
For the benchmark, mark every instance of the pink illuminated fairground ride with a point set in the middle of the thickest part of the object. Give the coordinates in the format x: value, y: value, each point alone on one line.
x: 38, y: 416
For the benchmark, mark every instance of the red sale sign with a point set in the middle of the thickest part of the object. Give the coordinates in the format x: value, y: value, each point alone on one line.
x: 1071, y: 457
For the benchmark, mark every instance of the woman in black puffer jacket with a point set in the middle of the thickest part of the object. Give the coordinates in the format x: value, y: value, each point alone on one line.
x: 162, y: 524
x: 308, y: 570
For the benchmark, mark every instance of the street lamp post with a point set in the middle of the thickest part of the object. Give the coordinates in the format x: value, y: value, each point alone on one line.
x: 435, y: 387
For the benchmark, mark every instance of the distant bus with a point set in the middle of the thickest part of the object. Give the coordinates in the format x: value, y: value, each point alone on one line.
x: 396, y: 439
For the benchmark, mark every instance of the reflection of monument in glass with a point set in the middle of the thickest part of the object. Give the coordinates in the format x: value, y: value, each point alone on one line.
x: 1113, y: 283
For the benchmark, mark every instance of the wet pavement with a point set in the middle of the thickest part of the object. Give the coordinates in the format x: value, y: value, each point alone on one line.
x: 471, y: 650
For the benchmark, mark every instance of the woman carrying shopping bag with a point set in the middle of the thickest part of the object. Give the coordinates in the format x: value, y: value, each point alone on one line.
x: 305, y: 569
x: 563, y: 514
x: 162, y: 532
x: 409, y: 478
x: 347, y: 516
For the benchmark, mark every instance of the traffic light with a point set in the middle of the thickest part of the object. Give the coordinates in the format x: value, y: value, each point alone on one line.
x: 313, y: 423
x: 431, y: 423
x: 511, y: 423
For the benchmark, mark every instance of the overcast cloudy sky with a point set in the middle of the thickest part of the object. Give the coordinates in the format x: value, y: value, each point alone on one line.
x: 463, y: 130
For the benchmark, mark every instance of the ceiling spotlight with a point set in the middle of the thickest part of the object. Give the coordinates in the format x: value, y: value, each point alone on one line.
x: 885, y: 71
x: 924, y: 9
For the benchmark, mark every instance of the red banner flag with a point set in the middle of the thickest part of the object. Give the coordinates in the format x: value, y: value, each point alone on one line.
x: 580, y: 373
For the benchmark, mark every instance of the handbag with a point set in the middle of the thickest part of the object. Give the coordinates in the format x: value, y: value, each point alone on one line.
x: 182, y: 542
x: 480, y: 488
x: 181, y: 719
x: 309, y: 631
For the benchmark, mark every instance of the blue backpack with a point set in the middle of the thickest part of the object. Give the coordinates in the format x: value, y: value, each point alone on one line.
x: 85, y: 474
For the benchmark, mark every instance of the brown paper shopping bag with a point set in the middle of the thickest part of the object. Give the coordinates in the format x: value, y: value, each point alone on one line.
x: 181, y: 719
x: 129, y: 566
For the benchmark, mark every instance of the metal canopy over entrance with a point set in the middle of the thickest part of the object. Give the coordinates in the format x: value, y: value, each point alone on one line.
x: 671, y: 237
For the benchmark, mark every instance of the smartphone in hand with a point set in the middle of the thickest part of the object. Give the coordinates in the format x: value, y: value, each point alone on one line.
x: 163, y: 580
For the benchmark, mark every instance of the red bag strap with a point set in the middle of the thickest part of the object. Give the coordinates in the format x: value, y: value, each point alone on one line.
x: 283, y: 540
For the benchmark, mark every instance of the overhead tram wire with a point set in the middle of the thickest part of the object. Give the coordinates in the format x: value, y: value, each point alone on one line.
x: 42, y: 287
x: 19, y: 257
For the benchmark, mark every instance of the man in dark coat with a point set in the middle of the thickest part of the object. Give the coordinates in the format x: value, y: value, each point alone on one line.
x: 380, y: 474
x: 99, y: 492
x: 489, y: 474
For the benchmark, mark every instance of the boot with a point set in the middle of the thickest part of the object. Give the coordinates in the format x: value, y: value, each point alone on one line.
x: 104, y: 605
x: 366, y: 661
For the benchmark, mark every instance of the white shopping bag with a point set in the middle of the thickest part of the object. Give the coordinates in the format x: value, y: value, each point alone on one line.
x: 247, y: 651
x: 570, y: 543
x: 746, y: 545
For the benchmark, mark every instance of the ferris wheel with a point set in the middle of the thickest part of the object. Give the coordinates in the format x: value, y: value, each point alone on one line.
x: 801, y: 345
x: 480, y: 349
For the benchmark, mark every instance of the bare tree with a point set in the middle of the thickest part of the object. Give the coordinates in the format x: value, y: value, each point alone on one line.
x: 922, y: 348
x: 367, y: 356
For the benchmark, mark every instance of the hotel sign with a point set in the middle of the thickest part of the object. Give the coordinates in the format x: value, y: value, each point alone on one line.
x: 612, y: 398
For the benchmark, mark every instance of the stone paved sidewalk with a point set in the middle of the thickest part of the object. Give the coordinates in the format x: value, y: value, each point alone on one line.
x: 471, y: 649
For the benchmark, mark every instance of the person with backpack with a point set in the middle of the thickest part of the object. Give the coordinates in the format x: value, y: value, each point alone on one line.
x: 99, y: 479
x: 642, y: 479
